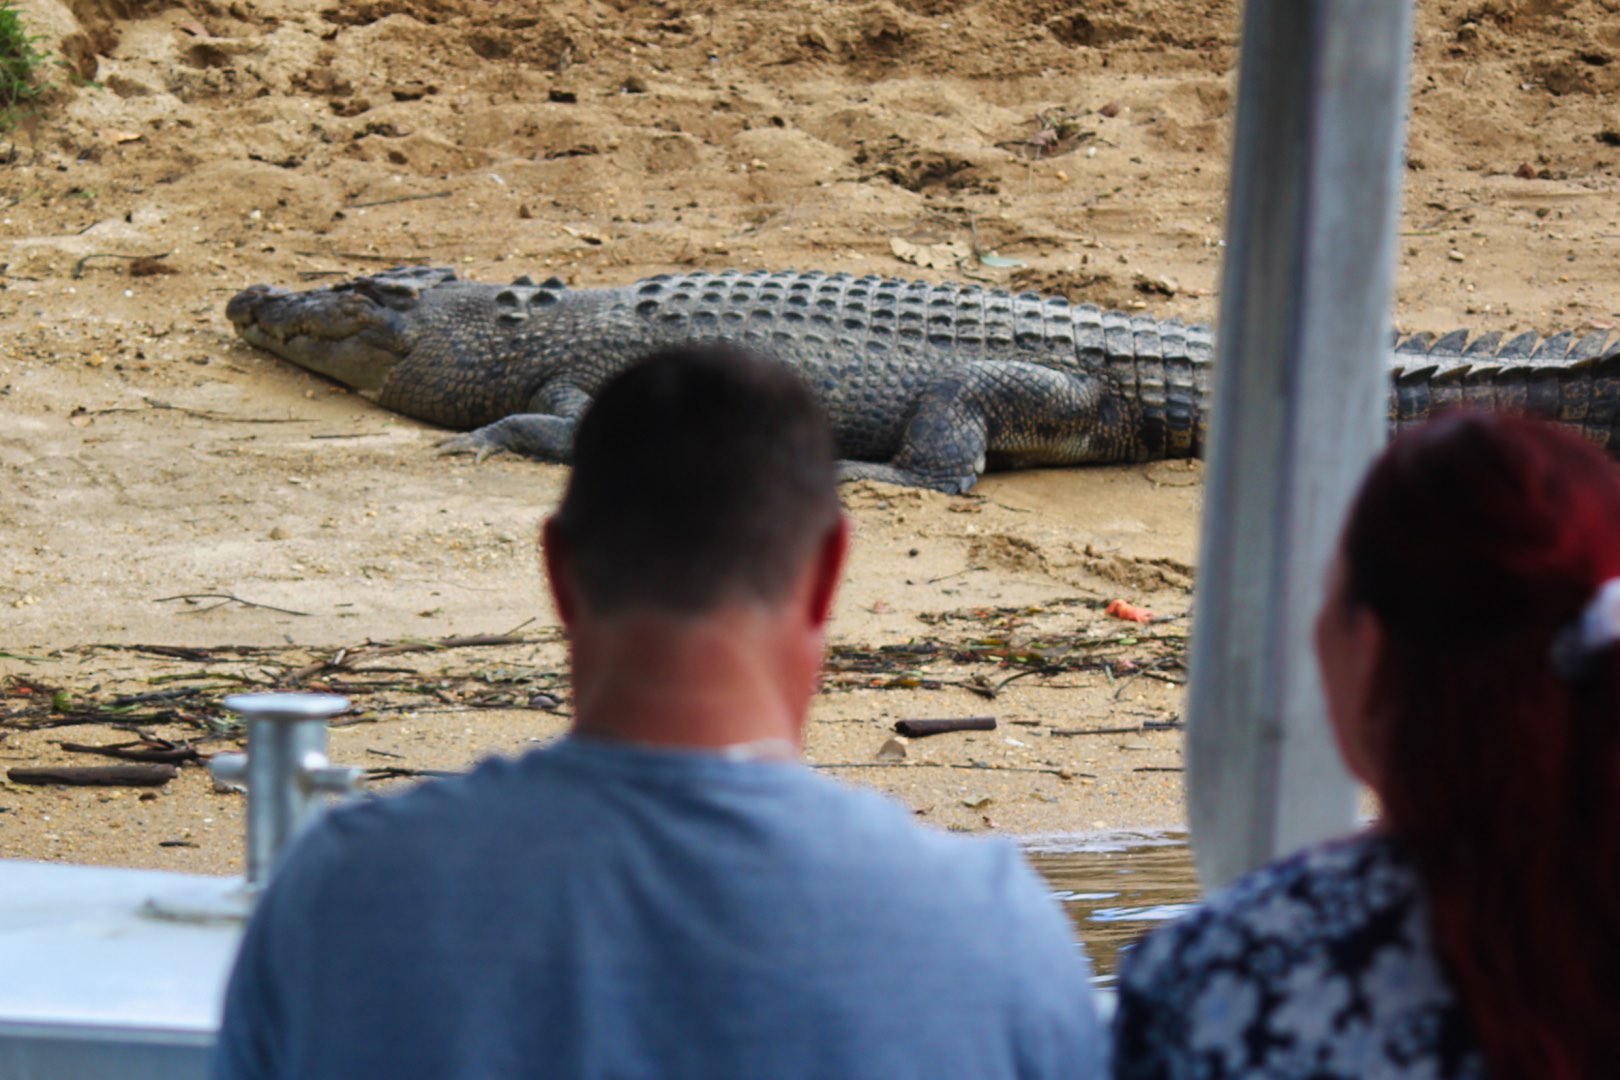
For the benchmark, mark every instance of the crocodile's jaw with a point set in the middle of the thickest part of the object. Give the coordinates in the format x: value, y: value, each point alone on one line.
x: 345, y: 336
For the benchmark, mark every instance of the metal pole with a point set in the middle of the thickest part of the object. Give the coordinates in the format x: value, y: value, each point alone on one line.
x: 1298, y: 412
x: 287, y: 775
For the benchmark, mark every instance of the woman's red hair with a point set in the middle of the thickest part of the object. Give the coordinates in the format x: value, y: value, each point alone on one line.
x: 1475, y: 540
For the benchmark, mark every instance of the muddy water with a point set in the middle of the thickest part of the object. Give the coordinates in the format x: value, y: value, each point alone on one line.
x: 1117, y: 887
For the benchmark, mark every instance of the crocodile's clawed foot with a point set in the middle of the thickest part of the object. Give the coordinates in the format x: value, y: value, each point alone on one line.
x: 477, y: 443
x: 531, y: 435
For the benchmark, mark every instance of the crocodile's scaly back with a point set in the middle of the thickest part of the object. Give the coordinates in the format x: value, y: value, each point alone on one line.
x: 1569, y: 378
x: 870, y: 328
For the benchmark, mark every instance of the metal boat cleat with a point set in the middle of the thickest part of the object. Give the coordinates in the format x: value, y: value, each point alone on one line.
x: 289, y: 783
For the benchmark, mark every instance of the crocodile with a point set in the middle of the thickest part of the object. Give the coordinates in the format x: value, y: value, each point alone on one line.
x: 926, y: 385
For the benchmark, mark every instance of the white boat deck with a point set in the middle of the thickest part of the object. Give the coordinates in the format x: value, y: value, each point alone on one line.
x: 94, y: 987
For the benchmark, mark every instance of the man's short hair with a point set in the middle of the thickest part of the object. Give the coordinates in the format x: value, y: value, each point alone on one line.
x: 703, y: 475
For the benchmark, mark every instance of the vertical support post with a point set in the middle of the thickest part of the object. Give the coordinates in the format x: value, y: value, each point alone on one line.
x: 1298, y: 412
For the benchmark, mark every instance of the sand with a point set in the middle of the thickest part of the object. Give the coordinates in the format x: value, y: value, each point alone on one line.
x: 145, y: 454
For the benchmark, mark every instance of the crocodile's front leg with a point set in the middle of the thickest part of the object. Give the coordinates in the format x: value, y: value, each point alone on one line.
x: 545, y: 433
x: 1011, y: 415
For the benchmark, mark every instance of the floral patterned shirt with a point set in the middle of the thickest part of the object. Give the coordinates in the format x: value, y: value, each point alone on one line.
x: 1320, y: 966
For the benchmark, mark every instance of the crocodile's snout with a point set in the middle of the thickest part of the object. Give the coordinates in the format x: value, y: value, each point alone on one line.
x: 245, y: 304
x: 344, y: 335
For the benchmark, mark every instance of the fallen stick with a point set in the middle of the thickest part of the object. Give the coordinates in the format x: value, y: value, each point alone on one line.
x: 82, y: 719
x: 1062, y: 774
x: 399, y: 199
x: 345, y: 658
x: 362, y: 256
x: 127, y: 700
x: 95, y: 775
x: 78, y: 267
x: 224, y: 598
x: 402, y: 772
x: 146, y: 752
x: 1151, y: 670
x: 201, y: 414
x: 921, y: 729
x: 168, y: 652
x: 1133, y: 730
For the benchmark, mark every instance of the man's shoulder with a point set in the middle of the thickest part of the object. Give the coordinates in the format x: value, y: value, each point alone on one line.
x: 438, y: 815
x: 876, y: 816
x: 872, y: 837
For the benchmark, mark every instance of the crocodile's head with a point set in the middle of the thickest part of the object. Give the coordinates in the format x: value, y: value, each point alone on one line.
x: 354, y: 332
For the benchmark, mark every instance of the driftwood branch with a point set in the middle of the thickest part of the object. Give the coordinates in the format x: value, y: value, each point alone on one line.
x: 94, y: 775
x: 1134, y: 729
x: 921, y: 729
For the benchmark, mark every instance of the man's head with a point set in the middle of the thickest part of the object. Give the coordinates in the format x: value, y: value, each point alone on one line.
x: 696, y: 552
x: 703, y: 477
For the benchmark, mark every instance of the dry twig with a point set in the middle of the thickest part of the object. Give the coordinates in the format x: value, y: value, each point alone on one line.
x: 223, y: 598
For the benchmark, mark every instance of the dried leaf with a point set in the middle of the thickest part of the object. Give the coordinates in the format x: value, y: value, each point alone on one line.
x: 946, y: 256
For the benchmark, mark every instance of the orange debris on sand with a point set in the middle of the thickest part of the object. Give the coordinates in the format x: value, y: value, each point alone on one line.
x: 1121, y: 609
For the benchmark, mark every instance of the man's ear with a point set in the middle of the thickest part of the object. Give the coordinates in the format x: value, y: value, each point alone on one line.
x: 827, y: 570
x: 559, y: 571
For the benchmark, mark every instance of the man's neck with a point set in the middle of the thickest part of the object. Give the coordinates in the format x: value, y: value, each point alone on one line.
x: 732, y: 678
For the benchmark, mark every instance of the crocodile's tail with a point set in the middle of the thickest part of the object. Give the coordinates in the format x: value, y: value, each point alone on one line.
x: 1569, y: 379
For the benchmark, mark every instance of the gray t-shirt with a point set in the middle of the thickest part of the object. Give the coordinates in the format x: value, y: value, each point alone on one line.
x: 607, y: 910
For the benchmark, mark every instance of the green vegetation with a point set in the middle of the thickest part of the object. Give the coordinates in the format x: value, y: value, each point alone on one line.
x: 20, y: 65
